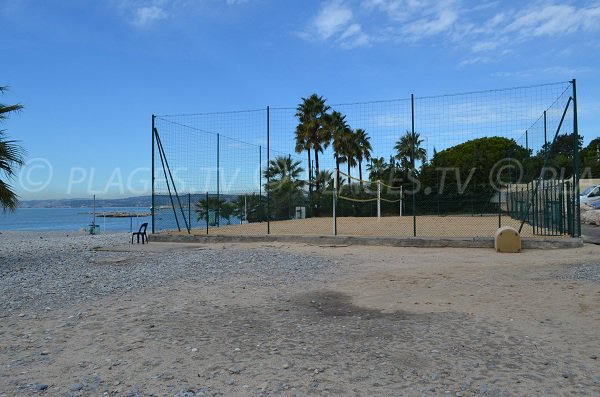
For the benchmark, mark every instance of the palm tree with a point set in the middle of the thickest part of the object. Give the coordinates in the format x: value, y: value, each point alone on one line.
x: 363, y: 151
x: 226, y: 210
x: 250, y: 208
x: 282, y: 170
x: 408, y: 149
x: 310, y: 113
x: 11, y: 158
x: 349, y: 151
x: 285, y: 185
x: 325, y: 178
x: 303, y: 143
x: 337, y: 128
x: 204, y: 208
x: 377, y: 168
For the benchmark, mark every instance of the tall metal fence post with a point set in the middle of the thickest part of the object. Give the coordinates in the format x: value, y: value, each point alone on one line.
x: 401, y: 201
x: 259, y: 183
x: 218, y: 212
x: 153, y: 180
x: 499, y: 208
x: 545, y: 133
x: 569, y: 208
x: 577, y: 209
x: 268, y: 178
x: 414, y: 196
x: 335, y: 188
x: 190, y: 211
x: 207, y: 210
x: 378, y: 199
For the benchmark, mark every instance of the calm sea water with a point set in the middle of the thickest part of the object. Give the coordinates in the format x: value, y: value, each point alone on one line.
x: 72, y: 219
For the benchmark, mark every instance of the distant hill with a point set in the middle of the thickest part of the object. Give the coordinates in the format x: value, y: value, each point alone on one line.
x: 139, y: 201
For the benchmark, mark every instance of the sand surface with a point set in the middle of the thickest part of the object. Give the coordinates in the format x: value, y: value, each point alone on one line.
x: 426, y: 226
x: 299, y: 320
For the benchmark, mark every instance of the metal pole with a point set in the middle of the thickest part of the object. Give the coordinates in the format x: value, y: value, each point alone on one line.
x: 527, y: 158
x: 400, y: 200
x: 164, y: 168
x: 259, y: 180
x: 218, y: 213
x: 545, y: 134
x: 561, y: 206
x: 534, y: 207
x: 533, y: 216
x: 577, y: 202
x: 569, y: 208
x: 207, y: 209
x: 153, y: 188
x: 378, y: 199
x: 190, y: 210
x: 414, y: 196
x: 499, y: 208
x: 94, y: 221
x: 335, y: 187
x: 268, y: 178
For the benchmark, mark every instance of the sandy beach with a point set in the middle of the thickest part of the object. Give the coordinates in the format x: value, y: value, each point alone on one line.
x: 96, y: 316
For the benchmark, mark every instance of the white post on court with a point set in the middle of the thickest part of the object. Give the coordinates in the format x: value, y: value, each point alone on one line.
x: 378, y: 199
x: 400, y: 200
x: 335, y: 187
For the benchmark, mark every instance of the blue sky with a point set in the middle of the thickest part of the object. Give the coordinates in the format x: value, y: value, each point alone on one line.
x: 90, y: 73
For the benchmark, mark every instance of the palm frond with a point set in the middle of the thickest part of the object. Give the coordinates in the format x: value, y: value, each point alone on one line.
x: 11, y: 158
x: 8, y: 197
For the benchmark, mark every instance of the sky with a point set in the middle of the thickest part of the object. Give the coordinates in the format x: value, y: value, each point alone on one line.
x: 91, y: 73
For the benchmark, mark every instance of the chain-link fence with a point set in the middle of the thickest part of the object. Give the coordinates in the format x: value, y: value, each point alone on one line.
x: 438, y: 166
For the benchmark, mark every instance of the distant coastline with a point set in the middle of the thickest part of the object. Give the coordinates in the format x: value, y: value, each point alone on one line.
x: 130, y: 202
x: 138, y: 201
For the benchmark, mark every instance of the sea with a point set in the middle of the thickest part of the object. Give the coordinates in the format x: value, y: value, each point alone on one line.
x: 74, y: 219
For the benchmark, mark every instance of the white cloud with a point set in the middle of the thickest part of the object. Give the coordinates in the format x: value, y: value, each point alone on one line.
x: 425, y: 27
x: 564, y: 72
x: 142, y: 13
x: 553, y: 20
x: 405, y: 20
x: 353, y: 36
x: 146, y: 13
x: 332, y: 18
x: 335, y: 21
x: 145, y: 16
x: 486, y: 30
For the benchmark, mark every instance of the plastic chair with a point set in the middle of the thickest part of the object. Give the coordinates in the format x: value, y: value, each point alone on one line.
x: 142, y: 233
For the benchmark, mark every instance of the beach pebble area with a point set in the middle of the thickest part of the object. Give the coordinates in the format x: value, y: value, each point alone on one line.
x: 88, y: 315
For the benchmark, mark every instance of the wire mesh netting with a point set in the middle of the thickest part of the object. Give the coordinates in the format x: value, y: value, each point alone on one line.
x: 222, y: 154
x: 438, y: 166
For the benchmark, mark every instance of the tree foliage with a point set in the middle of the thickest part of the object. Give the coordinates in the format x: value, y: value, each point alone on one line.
x: 590, y: 159
x: 204, y: 207
x: 285, y: 187
x: 250, y: 207
x: 465, y: 177
x: 408, y: 149
x: 310, y: 132
x: 11, y: 158
x: 560, y: 157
